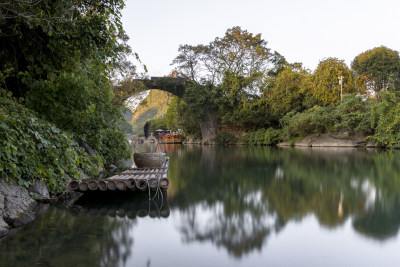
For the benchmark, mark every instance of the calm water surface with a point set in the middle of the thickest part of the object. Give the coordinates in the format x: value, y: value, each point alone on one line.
x: 232, y: 206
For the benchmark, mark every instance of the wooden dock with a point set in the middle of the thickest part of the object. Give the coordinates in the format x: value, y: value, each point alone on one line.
x: 134, y: 179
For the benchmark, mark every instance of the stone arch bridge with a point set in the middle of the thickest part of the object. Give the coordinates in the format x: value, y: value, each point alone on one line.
x: 177, y: 86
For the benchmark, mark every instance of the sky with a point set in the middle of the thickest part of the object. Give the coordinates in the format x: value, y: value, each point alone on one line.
x: 305, y: 31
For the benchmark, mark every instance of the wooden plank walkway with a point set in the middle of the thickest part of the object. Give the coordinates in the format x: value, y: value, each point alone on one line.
x: 134, y: 179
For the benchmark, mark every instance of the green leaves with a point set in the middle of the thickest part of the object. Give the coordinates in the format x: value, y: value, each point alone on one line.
x: 386, y: 118
x: 31, y: 148
x: 325, y: 84
x: 238, y: 52
x: 378, y: 69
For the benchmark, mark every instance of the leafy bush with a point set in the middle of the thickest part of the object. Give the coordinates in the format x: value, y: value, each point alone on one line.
x: 31, y: 148
x: 353, y: 113
x: 262, y: 137
x: 386, y: 118
x: 315, y: 120
x: 224, y: 139
x: 77, y: 104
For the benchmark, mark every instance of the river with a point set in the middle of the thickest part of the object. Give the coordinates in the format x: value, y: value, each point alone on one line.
x: 232, y: 206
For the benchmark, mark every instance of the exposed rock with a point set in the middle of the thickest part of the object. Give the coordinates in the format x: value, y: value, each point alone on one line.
x: 88, y: 149
x: 328, y: 140
x: 17, y: 204
x: 373, y: 143
x: 111, y: 167
x: 3, y: 225
x: 284, y: 144
x: 39, y: 189
x: 336, y: 139
x: 192, y: 140
x: 67, y: 177
x: 209, y: 129
x: 84, y: 176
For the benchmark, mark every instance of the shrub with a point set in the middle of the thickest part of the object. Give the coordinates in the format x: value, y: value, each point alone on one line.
x: 262, y: 137
x: 386, y: 118
x: 315, y: 120
x: 224, y: 139
x: 77, y: 104
x: 353, y: 113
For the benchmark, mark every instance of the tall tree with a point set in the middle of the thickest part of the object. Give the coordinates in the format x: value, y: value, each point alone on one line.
x: 287, y: 92
x: 59, y: 55
x: 188, y: 60
x: 238, y: 52
x: 378, y: 69
x: 325, y: 80
x: 40, y: 39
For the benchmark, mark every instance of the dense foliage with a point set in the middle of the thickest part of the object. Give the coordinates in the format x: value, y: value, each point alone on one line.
x: 378, y: 69
x: 58, y: 59
x: 32, y: 148
x: 247, y: 88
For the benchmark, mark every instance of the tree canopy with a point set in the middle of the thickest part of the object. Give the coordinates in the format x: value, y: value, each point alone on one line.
x: 378, y: 69
x: 238, y: 52
x: 44, y: 38
x: 58, y: 57
x: 325, y: 81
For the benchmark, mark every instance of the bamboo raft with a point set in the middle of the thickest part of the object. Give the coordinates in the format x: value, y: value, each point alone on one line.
x: 134, y: 179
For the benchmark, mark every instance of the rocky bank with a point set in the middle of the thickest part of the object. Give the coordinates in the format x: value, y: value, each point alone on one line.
x: 336, y: 139
x: 16, y: 205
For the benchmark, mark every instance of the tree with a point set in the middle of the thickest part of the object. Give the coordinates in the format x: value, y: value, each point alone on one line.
x: 237, y: 53
x: 325, y: 83
x: 40, y: 39
x: 125, y: 89
x: 287, y: 92
x: 378, y: 69
x: 188, y: 61
x: 59, y: 56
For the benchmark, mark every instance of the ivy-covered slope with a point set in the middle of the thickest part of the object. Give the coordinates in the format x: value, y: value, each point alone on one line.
x: 32, y: 148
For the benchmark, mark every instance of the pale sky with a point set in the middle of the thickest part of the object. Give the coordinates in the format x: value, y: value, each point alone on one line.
x: 303, y: 31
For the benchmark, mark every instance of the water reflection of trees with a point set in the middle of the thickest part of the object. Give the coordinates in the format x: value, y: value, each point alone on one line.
x: 59, y: 239
x: 235, y: 197
x: 95, y: 232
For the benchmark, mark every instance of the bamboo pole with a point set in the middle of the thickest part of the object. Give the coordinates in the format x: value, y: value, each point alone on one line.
x: 153, y: 213
x: 83, y: 187
x: 93, y: 185
x: 141, y: 184
x: 120, y: 185
x: 131, y: 214
x: 73, y: 185
x: 130, y: 184
x: 164, y: 182
x: 153, y: 183
x: 103, y: 185
x: 142, y: 213
x: 111, y: 185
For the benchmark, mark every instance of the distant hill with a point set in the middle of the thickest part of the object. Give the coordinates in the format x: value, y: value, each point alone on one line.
x: 153, y: 106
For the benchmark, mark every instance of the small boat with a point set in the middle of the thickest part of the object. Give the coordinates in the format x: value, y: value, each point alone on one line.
x: 166, y: 137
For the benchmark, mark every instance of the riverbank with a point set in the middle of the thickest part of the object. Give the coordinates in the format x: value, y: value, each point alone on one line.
x: 332, y: 139
x: 17, y: 205
x: 335, y: 139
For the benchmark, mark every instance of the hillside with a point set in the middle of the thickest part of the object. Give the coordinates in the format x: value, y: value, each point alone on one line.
x: 153, y: 106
